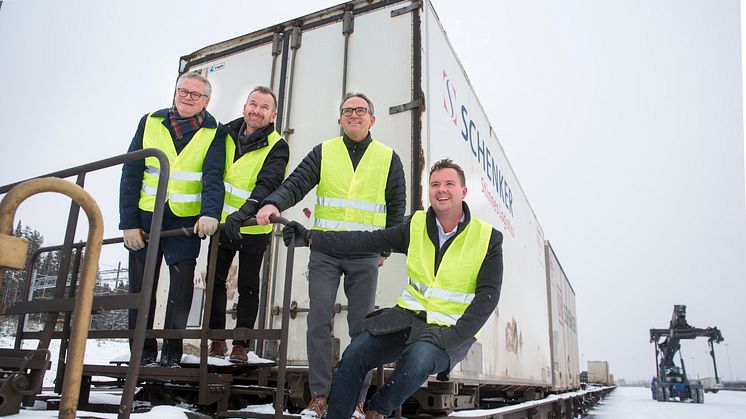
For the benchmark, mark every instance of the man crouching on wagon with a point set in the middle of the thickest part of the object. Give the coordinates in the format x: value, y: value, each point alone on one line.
x: 454, y: 263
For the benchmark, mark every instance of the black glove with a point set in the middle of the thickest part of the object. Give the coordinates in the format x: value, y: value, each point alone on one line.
x: 302, y: 234
x: 233, y: 222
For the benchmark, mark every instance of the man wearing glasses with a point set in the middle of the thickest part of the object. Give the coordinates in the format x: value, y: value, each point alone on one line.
x: 194, y: 142
x: 360, y: 187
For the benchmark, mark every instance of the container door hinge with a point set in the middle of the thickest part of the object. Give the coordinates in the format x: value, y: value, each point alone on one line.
x: 295, y: 38
x: 348, y: 23
x: 405, y: 106
x: 276, y: 44
x: 415, y: 5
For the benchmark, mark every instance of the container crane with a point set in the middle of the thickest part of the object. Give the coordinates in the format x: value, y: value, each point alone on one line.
x: 670, y: 382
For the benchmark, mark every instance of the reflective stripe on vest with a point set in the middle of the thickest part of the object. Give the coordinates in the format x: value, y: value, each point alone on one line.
x: 240, y: 178
x: 446, y: 295
x: 184, y: 195
x: 350, y: 199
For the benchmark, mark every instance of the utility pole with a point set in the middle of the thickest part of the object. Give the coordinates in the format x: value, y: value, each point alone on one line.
x: 730, y: 371
x: 119, y: 268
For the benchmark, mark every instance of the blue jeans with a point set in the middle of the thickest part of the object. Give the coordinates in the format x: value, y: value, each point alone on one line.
x: 414, y: 363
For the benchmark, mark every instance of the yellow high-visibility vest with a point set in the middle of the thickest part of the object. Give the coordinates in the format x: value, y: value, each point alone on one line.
x: 184, y: 195
x: 240, y: 178
x: 349, y: 199
x: 446, y: 295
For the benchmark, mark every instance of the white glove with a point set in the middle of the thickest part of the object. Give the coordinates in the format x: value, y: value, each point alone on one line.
x: 133, y: 239
x: 205, y: 226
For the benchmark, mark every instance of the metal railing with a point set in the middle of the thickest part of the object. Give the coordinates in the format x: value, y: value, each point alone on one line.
x: 82, y: 308
x: 212, y: 386
x: 61, y: 304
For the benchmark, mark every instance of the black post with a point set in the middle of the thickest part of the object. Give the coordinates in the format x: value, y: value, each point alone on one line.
x: 714, y: 363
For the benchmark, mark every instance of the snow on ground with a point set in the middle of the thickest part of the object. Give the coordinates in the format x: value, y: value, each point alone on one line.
x: 103, y: 352
x: 158, y: 412
x: 637, y: 403
x: 622, y: 403
x: 99, y: 352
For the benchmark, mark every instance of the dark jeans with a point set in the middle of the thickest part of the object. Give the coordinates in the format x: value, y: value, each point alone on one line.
x: 414, y: 363
x: 249, y: 264
x: 181, y: 287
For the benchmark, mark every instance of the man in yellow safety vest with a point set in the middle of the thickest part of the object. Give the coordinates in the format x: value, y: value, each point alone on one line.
x: 194, y: 142
x: 454, y: 264
x: 360, y: 187
x: 256, y: 161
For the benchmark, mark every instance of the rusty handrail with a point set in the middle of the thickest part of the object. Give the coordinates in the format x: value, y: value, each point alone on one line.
x: 125, y: 407
x: 82, y: 311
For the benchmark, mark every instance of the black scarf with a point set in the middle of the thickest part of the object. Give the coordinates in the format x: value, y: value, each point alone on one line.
x: 253, y: 141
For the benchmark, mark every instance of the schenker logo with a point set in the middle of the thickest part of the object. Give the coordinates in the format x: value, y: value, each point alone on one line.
x: 494, y: 184
x: 449, y: 98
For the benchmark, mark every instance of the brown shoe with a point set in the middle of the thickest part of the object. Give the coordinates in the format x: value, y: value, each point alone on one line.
x: 218, y: 348
x: 316, y: 407
x: 359, y: 413
x: 372, y: 414
x: 238, y: 354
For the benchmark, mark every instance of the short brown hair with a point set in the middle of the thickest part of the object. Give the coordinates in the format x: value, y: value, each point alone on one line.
x: 448, y: 164
x: 371, y: 111
x: 265, y: 90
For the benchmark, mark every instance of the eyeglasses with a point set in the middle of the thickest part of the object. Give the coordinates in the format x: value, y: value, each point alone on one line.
x: 193, y: 95
x: 358, y: 111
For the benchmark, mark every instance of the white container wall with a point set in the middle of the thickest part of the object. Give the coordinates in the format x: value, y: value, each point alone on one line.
x: 426, y: 110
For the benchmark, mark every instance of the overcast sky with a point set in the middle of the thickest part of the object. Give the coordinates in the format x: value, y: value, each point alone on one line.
x: 622, y: 120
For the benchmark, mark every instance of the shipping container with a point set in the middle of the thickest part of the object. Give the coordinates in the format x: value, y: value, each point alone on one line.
x: 563, y: 332
x: 398, y: 54
x: 598, y: 373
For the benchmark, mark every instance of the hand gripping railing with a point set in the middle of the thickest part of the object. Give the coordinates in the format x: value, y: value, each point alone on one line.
x: 82, y: 311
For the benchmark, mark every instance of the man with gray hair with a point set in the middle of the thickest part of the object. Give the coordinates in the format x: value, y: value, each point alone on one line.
x: 360, y: 187
x: 194, y: 142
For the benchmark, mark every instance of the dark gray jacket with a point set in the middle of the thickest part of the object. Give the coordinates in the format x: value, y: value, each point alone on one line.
x: 308, y: 173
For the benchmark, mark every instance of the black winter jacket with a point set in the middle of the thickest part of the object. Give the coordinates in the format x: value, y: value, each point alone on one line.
x: 308, y: 173
x: 270, y: 176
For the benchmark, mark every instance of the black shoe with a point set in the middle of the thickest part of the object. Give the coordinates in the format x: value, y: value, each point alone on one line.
x: 148, y: 361
x: 171, y: 364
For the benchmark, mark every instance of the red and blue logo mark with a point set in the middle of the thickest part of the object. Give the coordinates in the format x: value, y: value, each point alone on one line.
x: 449, y: 98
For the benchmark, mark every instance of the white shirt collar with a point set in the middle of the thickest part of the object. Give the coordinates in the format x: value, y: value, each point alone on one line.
x: 442, y: 235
